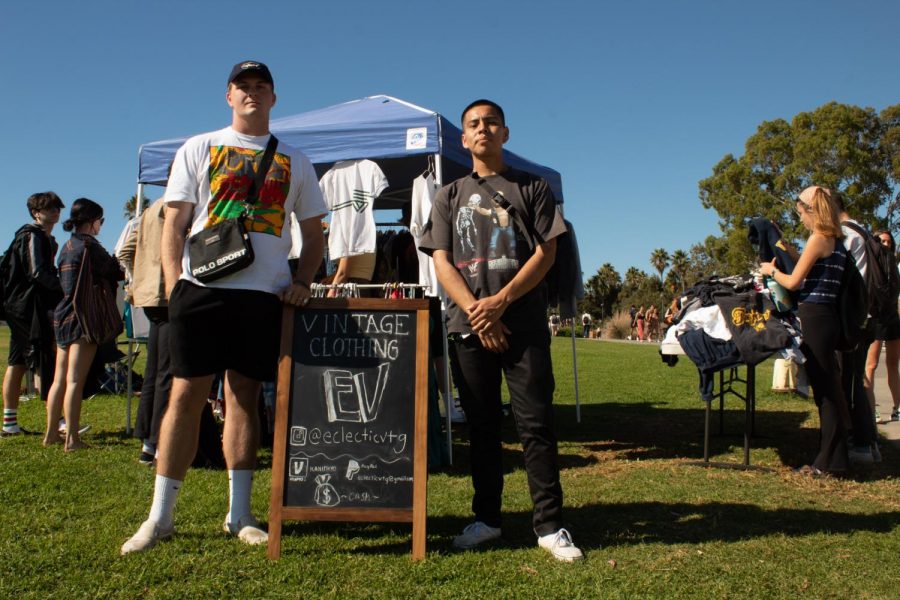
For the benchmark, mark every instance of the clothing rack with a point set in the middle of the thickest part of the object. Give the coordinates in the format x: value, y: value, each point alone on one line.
x: 351, y: 290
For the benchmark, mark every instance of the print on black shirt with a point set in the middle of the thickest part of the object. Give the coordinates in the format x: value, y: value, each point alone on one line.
x: 485, y: 238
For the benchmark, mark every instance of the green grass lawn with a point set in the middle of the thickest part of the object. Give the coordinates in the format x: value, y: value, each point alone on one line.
x: 652, y: 522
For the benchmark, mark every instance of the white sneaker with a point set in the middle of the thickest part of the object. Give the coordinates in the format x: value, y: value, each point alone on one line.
x: 147, y: 536
x: 560, y: 545
x: 248, y: 530
x: 475, y: 534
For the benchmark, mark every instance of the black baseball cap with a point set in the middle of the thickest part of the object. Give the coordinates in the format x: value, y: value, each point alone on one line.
x: 251, y: 66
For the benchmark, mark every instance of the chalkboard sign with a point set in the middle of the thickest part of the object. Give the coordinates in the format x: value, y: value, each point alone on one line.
x: 350, y: 431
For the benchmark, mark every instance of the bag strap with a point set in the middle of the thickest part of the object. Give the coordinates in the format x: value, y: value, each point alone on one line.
x: 262, y: 171
x: 857, y: 228
x: 531, y: 236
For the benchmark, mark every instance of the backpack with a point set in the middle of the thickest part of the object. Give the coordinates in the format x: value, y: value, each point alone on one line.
x: 882, y: 279
x: 5, y: 270
x: 852, y: 305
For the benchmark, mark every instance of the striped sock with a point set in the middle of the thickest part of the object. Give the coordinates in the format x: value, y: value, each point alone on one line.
x: 10, y: 420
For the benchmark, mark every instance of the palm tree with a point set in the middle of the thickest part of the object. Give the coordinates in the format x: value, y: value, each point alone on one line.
x: 680, y: 265
x: 659, y: 258
x: 131, y: 205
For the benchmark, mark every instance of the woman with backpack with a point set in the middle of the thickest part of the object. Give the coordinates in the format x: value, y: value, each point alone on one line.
x: 87, y: 273
x: 887, y: 331
x: 817, y: 276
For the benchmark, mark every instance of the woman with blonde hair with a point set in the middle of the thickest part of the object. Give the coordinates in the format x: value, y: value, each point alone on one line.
x: 887, y: 331
x: 81, y: 256
x: 817, y: 276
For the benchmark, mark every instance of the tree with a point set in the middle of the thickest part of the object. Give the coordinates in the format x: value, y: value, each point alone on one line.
x: 659, y: 258
x: 131, y: 203
x: 840, y: 146
x: 680, y: 266
x: 601, y: 292
x: 634, y: 277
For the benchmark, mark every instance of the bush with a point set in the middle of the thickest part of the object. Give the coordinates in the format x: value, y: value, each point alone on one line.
x: 618, y: 327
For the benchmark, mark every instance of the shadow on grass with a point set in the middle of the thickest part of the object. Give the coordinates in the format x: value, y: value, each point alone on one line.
x: 649, y: 430
x: 609, y: 525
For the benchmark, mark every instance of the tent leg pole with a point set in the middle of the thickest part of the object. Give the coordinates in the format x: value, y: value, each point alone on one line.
x: 575, y: 368
x: 448, y: 389
x: 129, y: 390
x: 138, y: 201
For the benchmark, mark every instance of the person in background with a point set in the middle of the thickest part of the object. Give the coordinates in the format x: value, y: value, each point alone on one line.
x: 586, y: 320
x: 142, y: 256
x: 853, y: 363
x: 554, y: 324
x: 31, y: 292
x: 652, y: 324
x: 817, y: 276
x: 75, y: 353
x: 887, y: 332
x: 641, y: 319
x: 632, y: 313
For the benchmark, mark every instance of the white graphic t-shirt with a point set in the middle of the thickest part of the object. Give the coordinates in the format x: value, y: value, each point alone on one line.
x: 214, y: 172
x: 350, y: 188
x: 423, y: 191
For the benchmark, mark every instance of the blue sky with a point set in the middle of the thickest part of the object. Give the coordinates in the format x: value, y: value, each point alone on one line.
x: 633, y: 102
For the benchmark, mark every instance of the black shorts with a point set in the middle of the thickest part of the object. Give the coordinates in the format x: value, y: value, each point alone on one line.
x: 18, y: 347
x: 25, y: 351
x: 888, y: 328
x: 213, y: 329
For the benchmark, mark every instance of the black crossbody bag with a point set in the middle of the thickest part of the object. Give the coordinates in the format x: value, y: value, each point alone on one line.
x: 532, y: 238
x: 225, y: 247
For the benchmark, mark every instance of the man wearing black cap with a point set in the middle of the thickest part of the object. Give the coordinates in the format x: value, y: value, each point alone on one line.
x: 498, y: 308
x: 231, y: 324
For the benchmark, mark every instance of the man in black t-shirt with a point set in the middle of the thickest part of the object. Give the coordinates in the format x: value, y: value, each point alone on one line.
x: 498, y: 311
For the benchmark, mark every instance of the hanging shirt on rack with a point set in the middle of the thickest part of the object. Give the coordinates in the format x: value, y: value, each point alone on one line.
x: 423, y: 191
x: 350, y: 188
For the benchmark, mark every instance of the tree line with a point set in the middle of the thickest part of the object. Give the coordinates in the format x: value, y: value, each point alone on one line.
x: 851, y: 149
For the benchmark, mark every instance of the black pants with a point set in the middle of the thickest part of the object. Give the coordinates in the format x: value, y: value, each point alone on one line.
x: 529, y: 375
x: 157, y: 376
x: 820, y: 335
x: 853, y: 370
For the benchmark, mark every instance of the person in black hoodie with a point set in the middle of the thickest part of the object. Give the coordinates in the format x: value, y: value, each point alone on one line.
x: 31, y: 292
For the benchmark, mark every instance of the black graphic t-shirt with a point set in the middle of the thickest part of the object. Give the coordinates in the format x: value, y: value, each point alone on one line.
x: 484, y: 242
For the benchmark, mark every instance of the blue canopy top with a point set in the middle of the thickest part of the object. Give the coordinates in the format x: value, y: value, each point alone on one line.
x: 375, y: 127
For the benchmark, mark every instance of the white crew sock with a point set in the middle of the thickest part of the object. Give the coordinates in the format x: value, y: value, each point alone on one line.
x: 11, y: 420
x: 240, y: 482
x: 147, y: 447
x: 165, y: 493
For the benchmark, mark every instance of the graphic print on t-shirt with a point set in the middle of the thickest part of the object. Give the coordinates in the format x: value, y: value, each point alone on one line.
x: 485, y: 237
x: 231, y: 173
x: 359, y: 201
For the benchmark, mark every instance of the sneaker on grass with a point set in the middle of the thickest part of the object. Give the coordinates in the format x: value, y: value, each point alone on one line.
x: 560, y: 545
x: 248, y: 530
x: 147, y: 536
x: 475, y: 534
